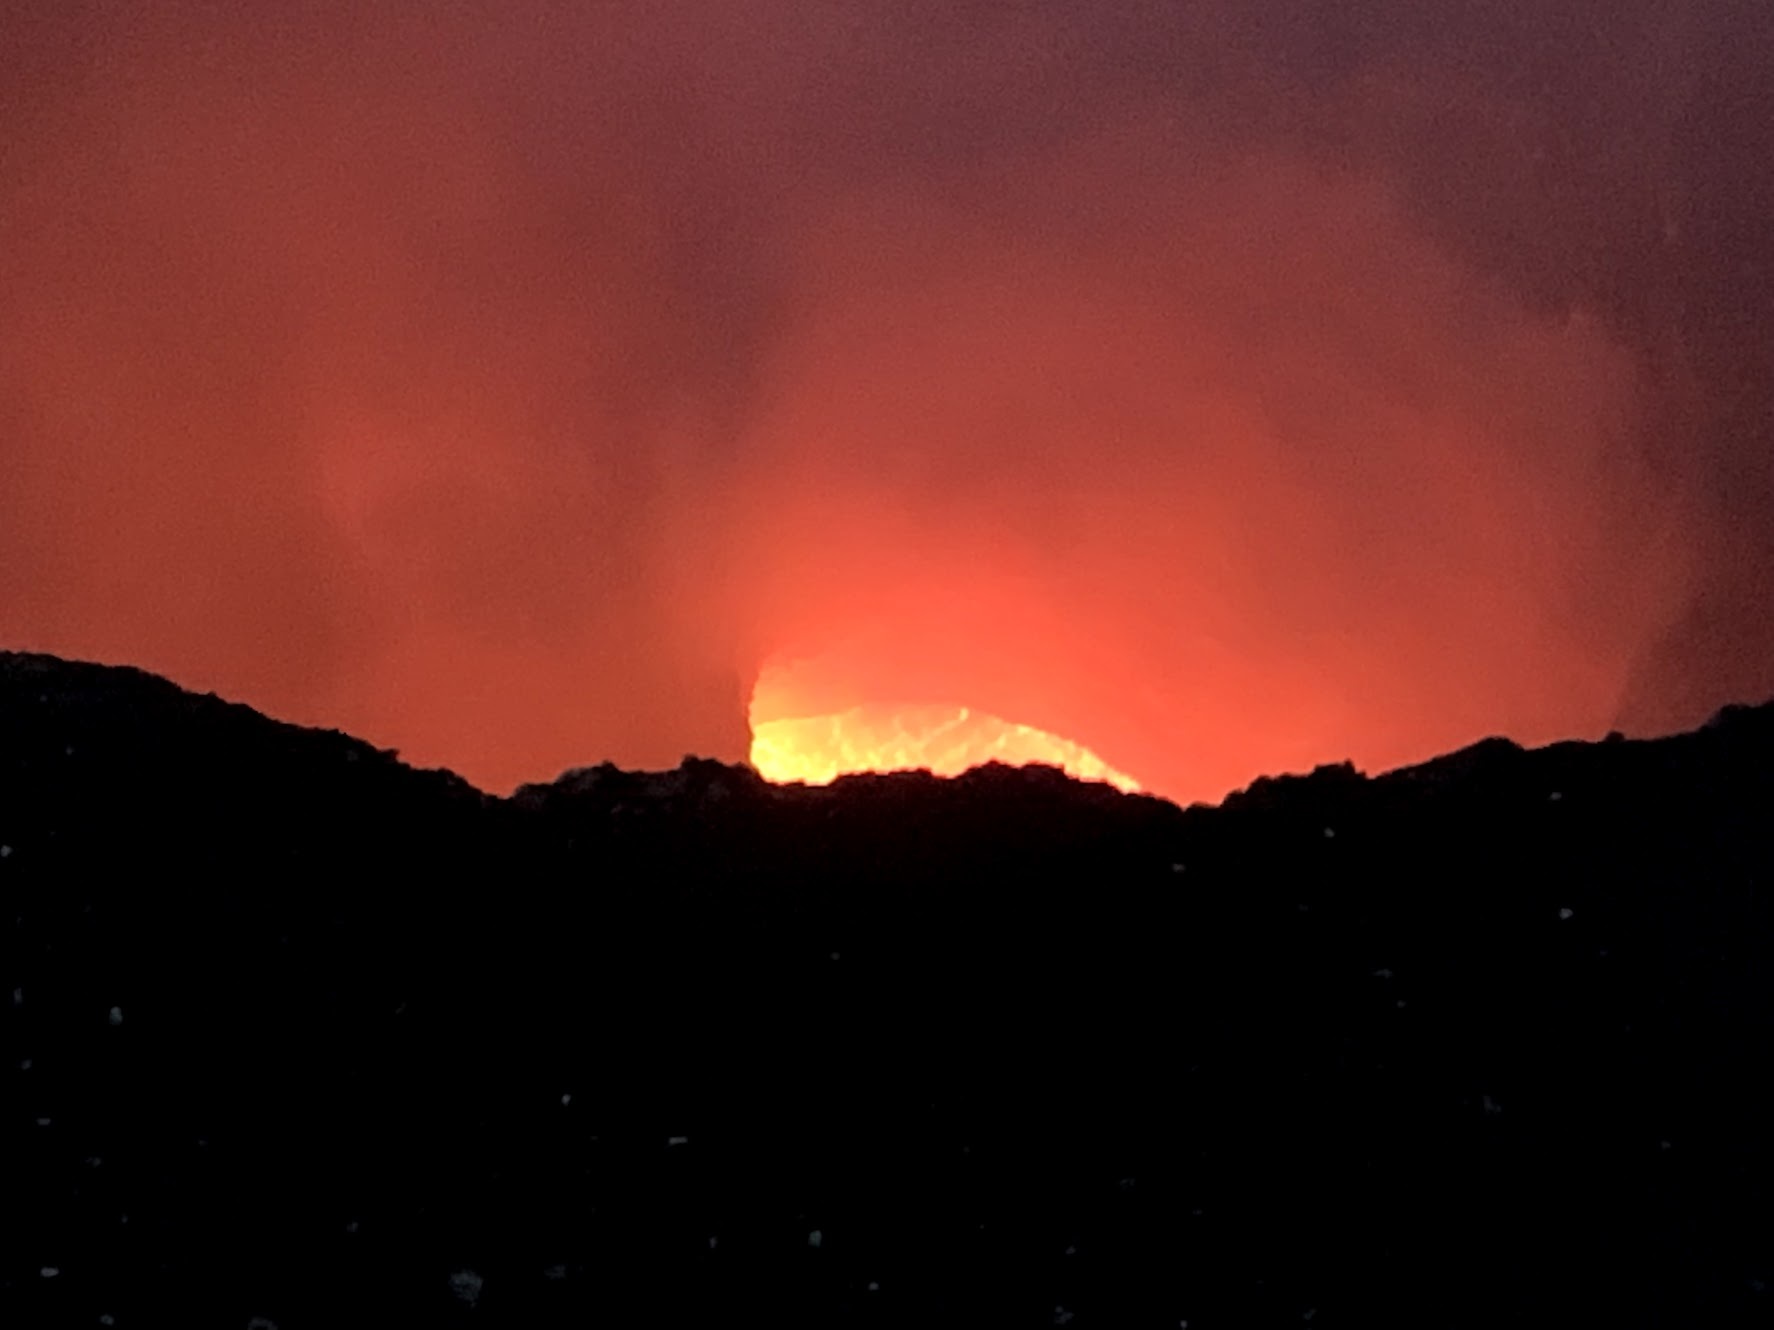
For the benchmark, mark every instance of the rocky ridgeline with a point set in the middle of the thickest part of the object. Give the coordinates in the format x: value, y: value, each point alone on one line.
x: 294, y: 1035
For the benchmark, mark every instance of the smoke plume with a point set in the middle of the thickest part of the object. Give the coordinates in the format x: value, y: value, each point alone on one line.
x: 1221, y: 387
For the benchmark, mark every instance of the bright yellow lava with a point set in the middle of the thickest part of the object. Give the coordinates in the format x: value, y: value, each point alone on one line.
x: 943, y: 740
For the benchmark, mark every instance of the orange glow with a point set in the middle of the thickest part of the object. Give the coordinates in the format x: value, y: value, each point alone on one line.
x: 526, y: 386
x: 944, y: 740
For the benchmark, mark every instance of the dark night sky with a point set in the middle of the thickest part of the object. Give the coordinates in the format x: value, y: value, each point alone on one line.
x: 1224, y: 386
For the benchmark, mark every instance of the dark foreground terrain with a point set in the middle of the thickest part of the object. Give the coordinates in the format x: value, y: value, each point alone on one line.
x: 293, y: 1035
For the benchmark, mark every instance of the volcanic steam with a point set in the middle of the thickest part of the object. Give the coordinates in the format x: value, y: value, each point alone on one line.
x: 1194, y: 391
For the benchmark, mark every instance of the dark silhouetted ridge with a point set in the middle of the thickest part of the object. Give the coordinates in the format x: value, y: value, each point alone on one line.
x: 291, y: 1031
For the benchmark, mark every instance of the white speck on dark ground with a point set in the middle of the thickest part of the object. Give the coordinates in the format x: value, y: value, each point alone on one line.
x: 834, y: 955
x: 874, y: 1287
x: 1061, y: 1316
x: 24, y: 1064
x: 1491, y: 1106
x: 116, y: 1015
x: 555, y: 1272
x: 5, y: 851
x: 351, y: 1226
x: 1382, y: 974
x: 44, y: 1122
x: 1178, y: 868
x: 1565, y: 912
x: 566, y: 1099
x: 1555, y: 796
x: 713, y: 1242
x: 677, y: 1140
x: 1330, y: 833
x: 815, y: 1238
x: 1309, y: 1313
x: 69, y: 750
x: 49, y: 1271
x: 18, y: 997
x: 1071, y: 1251
x: 1401, y: 1002
x: 261, y: 1323
x: 107, y: 1319
x: 466, y: 1285
x: 1663, y: 1145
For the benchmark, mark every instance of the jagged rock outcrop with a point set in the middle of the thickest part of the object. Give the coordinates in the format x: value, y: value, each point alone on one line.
x: 291, y: 1031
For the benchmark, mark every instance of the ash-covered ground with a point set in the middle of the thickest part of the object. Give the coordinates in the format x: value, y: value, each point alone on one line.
x: 294, y: 1035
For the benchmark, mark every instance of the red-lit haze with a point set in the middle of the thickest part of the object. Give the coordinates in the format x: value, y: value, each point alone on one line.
x: 1262, y: 485
x: 523, y: 386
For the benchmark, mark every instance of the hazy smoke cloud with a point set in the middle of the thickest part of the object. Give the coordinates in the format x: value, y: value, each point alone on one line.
x: 1221, y: 386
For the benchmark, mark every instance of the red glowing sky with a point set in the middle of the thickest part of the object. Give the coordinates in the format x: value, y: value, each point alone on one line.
x: 1226, y: 388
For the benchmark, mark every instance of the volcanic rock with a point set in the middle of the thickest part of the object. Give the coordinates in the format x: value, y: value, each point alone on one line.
x: 300, y: 1036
